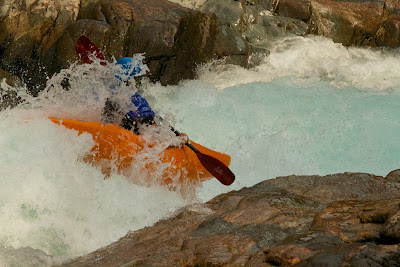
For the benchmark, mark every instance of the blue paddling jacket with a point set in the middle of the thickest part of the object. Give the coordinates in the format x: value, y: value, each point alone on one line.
x: 142, y: 108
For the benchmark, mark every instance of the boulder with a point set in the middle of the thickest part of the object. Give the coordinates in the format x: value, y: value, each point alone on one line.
x: 348, y: 219
x: 346, y: 22
x: 229, y: 45
x: 254, y: 20
x: 246, y: 28
x: 28, y: 29
x: 8, y: 96
x: 357, y: 22
x: 389, y: 32
x: 350, y: 22
x: 294, y: 9
x: 391, y: 229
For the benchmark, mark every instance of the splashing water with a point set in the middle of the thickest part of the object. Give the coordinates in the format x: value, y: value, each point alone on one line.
x: 316, y: 58
x: 50, y: 198
x: 312, y: 107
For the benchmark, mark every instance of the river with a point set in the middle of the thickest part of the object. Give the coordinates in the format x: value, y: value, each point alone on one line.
x: 311, y: 107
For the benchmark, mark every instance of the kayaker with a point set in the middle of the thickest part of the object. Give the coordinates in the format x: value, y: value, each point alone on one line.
x: 139, y: 114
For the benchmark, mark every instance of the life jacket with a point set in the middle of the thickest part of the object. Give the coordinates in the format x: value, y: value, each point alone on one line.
x: 141, y: 109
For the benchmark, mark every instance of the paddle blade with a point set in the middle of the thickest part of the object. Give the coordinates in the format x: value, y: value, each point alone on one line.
x: 87, y: 50
x: 216, y: 168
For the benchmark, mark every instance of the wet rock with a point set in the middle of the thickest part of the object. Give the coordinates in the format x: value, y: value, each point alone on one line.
x: 231, y: 46
x: 391, y: 229
x: 357, y: 22
x: 37, y: 38
x: 272, y: 26
x: 8, y: 78
x: 254, y: 20
x: 350, y: 22
x: 246, y: 28
x: 388, y: 33
x: 27, y: 31
x: 8, y: 99
x: 8, y: 96
x: 335, y: 220
x: 294, y: 9
x: 228, y: 12
x: 346, y: 22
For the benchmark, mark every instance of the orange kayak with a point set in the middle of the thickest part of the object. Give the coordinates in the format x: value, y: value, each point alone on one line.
x: 117, y: 147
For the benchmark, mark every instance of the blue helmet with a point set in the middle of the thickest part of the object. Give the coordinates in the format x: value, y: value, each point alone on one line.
x: 129, y: 67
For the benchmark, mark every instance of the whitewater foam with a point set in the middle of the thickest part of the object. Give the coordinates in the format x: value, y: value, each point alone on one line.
x: 50, y: 199
x: 314, y: 58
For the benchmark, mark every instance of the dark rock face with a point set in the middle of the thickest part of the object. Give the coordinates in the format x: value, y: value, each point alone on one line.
x: 349, y: 219
x: 8, y: 97
x: 38, y: 39
x: 174, y: 38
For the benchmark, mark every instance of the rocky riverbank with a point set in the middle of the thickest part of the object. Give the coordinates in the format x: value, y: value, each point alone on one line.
x: 37, y: 39
x: 348, y: 219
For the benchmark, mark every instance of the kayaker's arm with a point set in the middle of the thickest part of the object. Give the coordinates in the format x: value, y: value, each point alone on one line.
x: 218, y: 169
x: 183, y: 136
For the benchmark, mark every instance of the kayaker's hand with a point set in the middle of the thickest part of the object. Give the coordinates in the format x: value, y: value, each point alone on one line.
x: 184, y: 138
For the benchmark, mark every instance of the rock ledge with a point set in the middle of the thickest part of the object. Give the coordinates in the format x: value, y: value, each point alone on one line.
x: 348, y: 219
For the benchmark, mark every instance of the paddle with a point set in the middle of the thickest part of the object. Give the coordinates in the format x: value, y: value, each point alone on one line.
x: 214, y: 166
x: 218, y: 169
x: 86, y: 50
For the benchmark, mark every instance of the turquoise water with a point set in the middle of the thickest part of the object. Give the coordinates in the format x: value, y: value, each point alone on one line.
x: 286, y: 127
x: 311, y: 107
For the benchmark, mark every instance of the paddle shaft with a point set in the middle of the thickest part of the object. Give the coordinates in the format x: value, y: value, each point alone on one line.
x: 212, y: 165
x: 192, y: 147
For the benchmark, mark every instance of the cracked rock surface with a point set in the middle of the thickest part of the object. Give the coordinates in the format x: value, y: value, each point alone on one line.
x: 348, y: 219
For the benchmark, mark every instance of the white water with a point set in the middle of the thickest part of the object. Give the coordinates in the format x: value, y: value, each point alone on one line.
x: 312, y: 107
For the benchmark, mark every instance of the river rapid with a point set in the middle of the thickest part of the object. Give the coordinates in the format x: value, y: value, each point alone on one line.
x: 310, y: 107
